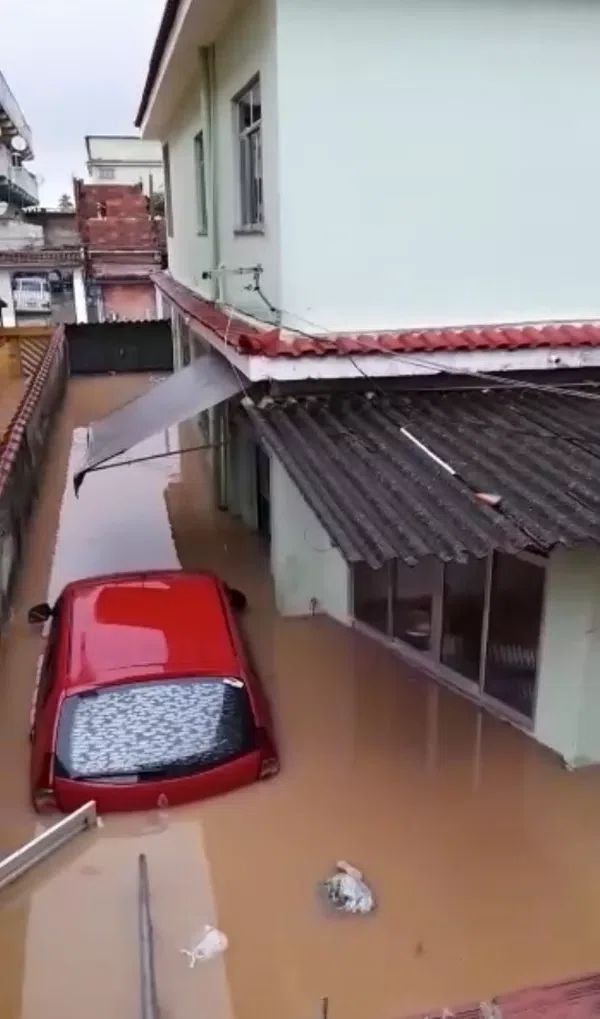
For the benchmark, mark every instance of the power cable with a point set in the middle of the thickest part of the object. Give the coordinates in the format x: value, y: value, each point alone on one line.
x: 440, y: 366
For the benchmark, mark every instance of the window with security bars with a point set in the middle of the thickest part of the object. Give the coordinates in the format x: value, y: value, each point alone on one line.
x: 249, y: 128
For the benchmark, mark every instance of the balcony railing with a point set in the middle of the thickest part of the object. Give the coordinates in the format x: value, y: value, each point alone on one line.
x: 16, y: 178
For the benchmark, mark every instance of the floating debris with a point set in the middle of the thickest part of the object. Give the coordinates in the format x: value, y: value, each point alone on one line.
x: 213, y: 942
x: 347, y: 891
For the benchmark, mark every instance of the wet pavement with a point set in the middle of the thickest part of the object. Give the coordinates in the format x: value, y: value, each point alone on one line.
x: 483, y: 853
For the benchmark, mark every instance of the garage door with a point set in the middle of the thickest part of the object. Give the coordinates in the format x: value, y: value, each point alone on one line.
x: 98, y: 348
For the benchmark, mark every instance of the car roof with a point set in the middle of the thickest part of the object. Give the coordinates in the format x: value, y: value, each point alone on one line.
x: 155, y: 624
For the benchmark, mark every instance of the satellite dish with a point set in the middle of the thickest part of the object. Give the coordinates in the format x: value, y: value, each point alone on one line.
x: 18, y: 144
x: 3, y: 209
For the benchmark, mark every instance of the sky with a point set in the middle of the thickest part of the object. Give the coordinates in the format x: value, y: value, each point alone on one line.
x: 75, y: 67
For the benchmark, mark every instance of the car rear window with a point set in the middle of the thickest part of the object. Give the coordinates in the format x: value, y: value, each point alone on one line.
x: 32, y: 286
x: 146, y: 730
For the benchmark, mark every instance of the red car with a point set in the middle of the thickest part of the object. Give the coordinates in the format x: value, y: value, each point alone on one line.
x: 145, y: 695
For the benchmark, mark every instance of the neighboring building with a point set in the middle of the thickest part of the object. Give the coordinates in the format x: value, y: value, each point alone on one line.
x: 29, y: 245
x: 59, y: 226
x: 406, y: 205
x: 18, y: 186
x: 123, y: 248
x: 125, y: 159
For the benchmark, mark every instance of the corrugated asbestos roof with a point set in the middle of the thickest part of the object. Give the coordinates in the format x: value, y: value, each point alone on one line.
x: 367, y: 466
x: 275, y: 342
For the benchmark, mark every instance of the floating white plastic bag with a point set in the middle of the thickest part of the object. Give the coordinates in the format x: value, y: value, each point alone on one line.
x: 347, y: 891
x: 213, y: 942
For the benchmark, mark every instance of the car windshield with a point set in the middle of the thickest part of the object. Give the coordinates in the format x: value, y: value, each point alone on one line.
x: 146, y: 730
x: 33, y: 286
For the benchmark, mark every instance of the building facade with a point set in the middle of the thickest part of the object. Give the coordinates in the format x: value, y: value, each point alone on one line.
x: 118, y: 159
x: 123, y: 248
x: 361, y: 210
x: 18, y: 186
x: 33, y: 247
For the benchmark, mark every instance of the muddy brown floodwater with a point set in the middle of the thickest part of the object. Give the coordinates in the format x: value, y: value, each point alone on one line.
x: 483, y: 853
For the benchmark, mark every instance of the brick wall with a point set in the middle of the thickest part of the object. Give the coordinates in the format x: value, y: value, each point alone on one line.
x: 129, y: 301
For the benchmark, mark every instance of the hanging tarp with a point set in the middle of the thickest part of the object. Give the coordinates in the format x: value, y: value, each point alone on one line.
x: 206, y: 382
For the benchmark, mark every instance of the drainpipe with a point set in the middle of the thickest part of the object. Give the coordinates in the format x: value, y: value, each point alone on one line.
x: 207, y: 54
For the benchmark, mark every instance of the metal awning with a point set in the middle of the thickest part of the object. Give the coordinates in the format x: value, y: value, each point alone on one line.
x: 206, y: 382
x: 450, y: 474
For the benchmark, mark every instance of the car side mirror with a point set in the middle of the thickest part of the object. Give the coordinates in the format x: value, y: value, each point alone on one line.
x: 237, y: 599
x: 39, y: 613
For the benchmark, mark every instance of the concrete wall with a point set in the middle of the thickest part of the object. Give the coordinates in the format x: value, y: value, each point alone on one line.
x: 568, y: 700
x: 247, y: 47
x: 436, y: 160
x: 132, y: 159
x: 308, y: 572
x: 131, y: 174
x: 16, y: 234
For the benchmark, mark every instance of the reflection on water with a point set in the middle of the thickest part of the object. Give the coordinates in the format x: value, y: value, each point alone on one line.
x: 482, y: 853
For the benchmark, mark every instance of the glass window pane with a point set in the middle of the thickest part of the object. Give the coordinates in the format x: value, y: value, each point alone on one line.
x: 413, y: 602
x: 514, y: 632
x: 371, y: 596
x: 245, y: 180
x: 245, y: 108
x: 256, y: 106
x: 464, y: 593
x: 255, y: 181
x: 169, y: 727
x: 201, y: 184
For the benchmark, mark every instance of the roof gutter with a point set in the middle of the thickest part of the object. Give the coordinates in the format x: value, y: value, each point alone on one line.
x: 164, y: 32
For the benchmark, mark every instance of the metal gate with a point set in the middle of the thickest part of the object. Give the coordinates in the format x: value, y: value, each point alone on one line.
x: 97, y: 348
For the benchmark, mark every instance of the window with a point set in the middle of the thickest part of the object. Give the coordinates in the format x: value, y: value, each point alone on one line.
x: 249, y: 132
x: 463, y: 620
x: 200, y: 167
x: 481, y: 620
x: 414, y: 591
x: 372, y: 596
x: 168, y: 194
x: 516, y: 602
x: 106, y: 172
x: 154, y: 730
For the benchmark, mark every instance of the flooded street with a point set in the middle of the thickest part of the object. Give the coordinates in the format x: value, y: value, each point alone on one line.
x: 482, y: 851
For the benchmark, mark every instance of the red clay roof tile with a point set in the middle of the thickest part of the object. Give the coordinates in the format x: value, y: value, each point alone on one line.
x: 275, y: 342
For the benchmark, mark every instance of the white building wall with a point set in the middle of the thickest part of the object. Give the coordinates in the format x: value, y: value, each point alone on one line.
x: 568, y: 699
x: 131, y: 174
x: 309, y: 573
x: 7, y: 314
x: 132, y: 160
x: 437, y: 162
x: 248, y: 48
x: 245, y: 48
x: 190, y: 254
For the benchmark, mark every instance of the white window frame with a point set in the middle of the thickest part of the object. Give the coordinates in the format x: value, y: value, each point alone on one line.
x: 200, y: 178
x: 249, y: 159
x: 106, y: 172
